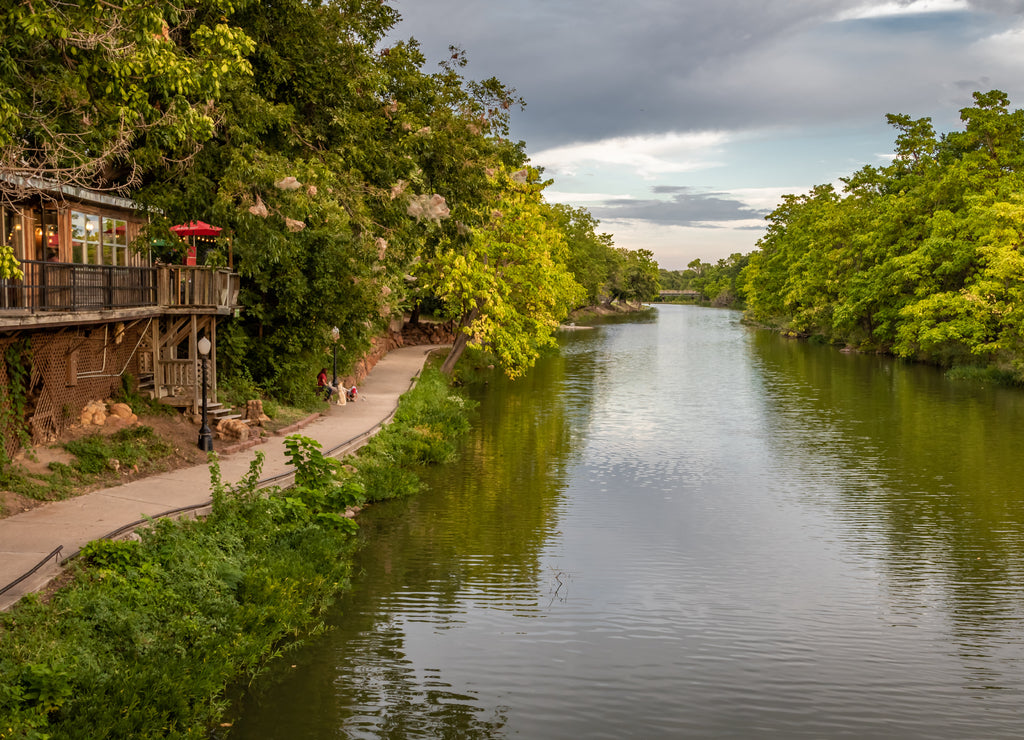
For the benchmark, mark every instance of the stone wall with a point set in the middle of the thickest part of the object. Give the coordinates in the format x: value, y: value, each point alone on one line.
x: 410, y: 335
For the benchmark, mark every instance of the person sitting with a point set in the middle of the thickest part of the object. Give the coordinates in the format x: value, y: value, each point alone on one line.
x: 323, y: 386
x: 352, y: 393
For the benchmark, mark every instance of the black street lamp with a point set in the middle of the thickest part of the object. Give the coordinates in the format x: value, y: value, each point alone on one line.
x: 334, y: 373
x: 205, y: 436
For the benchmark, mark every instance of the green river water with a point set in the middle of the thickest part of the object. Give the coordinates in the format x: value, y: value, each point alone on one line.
x: 683, y: 527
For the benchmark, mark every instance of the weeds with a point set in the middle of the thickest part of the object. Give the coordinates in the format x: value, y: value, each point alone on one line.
x: 130, y: 447
x: 97, y: 458
x: 140, y: 404
x: 426, y: 429
x: 150, y: 633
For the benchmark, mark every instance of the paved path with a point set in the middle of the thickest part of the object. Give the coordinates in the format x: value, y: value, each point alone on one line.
x: 27, y: 538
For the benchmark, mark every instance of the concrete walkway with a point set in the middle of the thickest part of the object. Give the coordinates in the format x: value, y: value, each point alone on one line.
x: 28, y: 538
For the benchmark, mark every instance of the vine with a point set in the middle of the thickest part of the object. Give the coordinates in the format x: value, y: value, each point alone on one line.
x: 14, y: 396
x: 10, y: 268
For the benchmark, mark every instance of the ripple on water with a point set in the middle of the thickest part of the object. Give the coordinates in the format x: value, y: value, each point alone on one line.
x: 705, y: 532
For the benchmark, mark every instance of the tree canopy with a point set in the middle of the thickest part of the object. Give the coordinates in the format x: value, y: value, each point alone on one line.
x: 351, y: 179
x: 921, y: 258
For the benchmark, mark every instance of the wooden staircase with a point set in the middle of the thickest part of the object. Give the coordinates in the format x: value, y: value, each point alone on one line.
x: 215, y: 411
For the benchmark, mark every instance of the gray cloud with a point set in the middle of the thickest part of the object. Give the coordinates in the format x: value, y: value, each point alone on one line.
x: 594, y: 69
x: 686, y: 207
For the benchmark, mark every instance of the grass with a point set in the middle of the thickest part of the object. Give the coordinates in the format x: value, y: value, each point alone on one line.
x: 984, y: 376
x: 97, y: 458
x: 147, y: 637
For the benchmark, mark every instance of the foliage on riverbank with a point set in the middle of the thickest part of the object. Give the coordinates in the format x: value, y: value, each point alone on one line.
x: 921, y: 258
x: 718, y: 284
x: 149, y: 634
x: 341, y: 169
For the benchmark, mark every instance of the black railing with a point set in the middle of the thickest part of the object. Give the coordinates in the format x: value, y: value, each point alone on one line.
x: 61, y: 286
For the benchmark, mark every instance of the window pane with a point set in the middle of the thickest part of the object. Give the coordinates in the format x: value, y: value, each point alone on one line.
x: 92, y: 239
x: 115, y: 230
x: 11, y: 231
x: 50, y: 240
x: 78, y: 234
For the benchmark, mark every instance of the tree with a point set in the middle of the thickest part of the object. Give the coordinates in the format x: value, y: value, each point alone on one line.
x: 505, y: 282
x: 920, y: 258
x: 591, y: 257
x: 94, y: 94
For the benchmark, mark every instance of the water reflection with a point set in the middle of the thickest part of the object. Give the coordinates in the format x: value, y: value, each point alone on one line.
x: 438, y: 572
x: 688, y: 528
x: 926, y: 475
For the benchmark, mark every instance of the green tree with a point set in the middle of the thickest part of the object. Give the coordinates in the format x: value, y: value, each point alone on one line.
x: 636, y: 276
x: 592, y: 258
x: 98, y: 93
x: 505, y: 282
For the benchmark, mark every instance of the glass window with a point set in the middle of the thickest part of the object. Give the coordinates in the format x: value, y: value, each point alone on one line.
x: 85, y: 238
x: 47, y: 238
x: 115, y: 241
x: 92, y: 239
x: 78, y: 236
x: 11, y: 226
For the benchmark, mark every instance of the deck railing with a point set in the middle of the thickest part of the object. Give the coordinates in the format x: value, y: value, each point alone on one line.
x: 65, y: 287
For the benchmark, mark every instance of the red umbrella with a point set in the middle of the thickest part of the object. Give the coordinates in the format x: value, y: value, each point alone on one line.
x: 196, y: 228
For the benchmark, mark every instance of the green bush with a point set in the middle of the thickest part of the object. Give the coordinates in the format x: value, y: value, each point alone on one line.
x: 152, y: 632
x: 146, y: 639
x: 430, y: 422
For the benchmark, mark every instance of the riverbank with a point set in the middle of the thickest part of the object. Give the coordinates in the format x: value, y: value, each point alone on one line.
x: 145, y: 639
x: 616, y: 308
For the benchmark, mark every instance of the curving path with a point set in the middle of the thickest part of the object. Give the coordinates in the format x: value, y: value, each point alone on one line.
x: 61, y: 528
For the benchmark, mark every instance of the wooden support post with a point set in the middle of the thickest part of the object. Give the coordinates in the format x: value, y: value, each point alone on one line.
x: 193, y: 351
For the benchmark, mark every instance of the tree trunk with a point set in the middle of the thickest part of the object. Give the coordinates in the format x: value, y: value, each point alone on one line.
x: 461, y: 340
x: 459, y: 345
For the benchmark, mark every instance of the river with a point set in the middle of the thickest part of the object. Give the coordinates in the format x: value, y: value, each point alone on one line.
x: 682, y: 527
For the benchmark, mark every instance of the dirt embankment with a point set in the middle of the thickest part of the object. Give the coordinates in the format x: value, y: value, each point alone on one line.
x: 182, y: 433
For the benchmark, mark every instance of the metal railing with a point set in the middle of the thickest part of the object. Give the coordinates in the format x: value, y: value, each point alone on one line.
x: 62, y: 286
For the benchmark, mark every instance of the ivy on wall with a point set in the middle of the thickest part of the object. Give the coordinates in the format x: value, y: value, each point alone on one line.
x: 14, y: 397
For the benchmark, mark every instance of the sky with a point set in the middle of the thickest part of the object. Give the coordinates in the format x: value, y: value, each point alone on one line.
x: 679, y: 124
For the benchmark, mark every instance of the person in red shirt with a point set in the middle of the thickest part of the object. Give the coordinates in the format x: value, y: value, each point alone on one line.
x: 323, y: 385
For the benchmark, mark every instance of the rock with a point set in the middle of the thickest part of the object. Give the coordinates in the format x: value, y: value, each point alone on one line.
x: 254, y: 412
x: 95, y: 413
x: 233, y: 429
x: 121, y: 410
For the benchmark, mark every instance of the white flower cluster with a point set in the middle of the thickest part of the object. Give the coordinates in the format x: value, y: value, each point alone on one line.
x: 430, y: 207
x: 288, y: 183
x: 260, y: 209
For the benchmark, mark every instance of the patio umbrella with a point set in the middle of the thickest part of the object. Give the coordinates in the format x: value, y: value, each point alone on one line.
x: 194, y: 229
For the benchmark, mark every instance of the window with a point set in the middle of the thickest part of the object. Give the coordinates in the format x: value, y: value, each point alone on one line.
x: 85, y: 238
x: 115, y: 241
x: 47, y: 242
x: 11, y: 226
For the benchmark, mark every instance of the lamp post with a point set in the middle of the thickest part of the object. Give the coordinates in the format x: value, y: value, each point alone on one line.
x: 334, y: 372
x: 205, y: 437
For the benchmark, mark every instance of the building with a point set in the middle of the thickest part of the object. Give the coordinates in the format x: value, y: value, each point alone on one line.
x: 92, y: 309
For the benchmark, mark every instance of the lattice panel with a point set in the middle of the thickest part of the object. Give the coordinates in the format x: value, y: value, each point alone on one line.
x: 71, y: 367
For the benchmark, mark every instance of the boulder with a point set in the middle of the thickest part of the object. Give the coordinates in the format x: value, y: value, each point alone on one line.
x: 233, y: 429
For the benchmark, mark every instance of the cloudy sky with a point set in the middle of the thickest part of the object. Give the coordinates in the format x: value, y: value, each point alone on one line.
x: 680, y: 123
